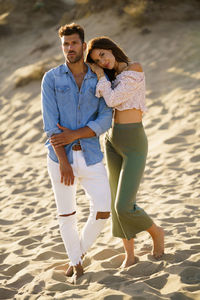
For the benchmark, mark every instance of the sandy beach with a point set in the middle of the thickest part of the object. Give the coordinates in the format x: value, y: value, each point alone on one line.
x: 32, y: 256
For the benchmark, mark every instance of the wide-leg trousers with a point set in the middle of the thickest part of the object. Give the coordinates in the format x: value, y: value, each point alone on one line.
x: 126, y: 151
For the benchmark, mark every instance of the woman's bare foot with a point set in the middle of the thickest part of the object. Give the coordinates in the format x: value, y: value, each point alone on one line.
x: 128, y: 262
x: 157, y: 234
x: 158, y: 244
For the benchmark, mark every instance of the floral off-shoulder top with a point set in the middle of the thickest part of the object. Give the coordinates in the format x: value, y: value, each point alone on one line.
x: 127, y: 91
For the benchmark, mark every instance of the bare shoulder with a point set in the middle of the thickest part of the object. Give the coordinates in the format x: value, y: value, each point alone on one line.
x: 135, y: 67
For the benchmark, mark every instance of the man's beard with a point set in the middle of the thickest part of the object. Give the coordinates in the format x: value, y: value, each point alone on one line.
x: 74, y: 59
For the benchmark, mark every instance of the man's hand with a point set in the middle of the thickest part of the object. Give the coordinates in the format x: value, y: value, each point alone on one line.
x: 64, y: 138
x: 66, y: 174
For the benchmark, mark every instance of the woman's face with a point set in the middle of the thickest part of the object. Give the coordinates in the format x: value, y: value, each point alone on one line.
x: 103, y: 58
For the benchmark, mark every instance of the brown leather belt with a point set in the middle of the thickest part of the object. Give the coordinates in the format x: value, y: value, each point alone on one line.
x: 76, y: 147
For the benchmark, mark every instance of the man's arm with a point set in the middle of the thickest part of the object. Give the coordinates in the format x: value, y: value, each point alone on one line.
x: 66, y: 172
x: 104, y: 119
x: 50, y: 111
x: 68, y: 136
x: 94, y: 128
x: 50, y: 119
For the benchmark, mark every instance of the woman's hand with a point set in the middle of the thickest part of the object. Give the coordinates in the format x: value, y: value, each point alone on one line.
x: 63, y: 138
x: 66, y: 173
x: 97, y: 70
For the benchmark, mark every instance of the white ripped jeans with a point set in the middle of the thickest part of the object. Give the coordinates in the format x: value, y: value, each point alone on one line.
x: 95, y: 182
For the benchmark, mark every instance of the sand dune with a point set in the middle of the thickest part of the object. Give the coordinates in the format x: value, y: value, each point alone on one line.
x: 32, y: 255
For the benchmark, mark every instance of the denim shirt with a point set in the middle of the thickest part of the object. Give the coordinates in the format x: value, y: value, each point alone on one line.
x: 64, y: 103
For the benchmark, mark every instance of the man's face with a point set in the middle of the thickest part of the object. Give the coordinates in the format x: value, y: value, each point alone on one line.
x: 73, y: 48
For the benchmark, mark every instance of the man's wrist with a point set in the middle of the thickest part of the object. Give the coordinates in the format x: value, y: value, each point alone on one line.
x: 84, y: 132
x: 61, y: 154
x: 76, y: 134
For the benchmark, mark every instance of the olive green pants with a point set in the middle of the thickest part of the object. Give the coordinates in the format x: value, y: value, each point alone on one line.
x: 126, y: 152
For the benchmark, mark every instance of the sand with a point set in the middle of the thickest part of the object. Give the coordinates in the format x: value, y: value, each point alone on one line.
x: 32, y: 255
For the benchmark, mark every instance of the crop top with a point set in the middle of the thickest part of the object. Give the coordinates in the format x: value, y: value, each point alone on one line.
x: 127, y: 91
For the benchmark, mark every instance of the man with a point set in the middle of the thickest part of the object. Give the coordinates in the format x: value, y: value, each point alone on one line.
x: 73, y: 120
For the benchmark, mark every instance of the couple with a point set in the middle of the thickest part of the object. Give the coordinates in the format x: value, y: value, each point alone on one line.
x: 77, y: 102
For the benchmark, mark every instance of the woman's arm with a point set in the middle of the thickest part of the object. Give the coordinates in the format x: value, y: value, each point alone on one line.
x: 127, y: 85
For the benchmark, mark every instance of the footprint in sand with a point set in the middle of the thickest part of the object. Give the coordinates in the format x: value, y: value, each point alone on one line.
x: 28, y: 211
x: 145, y: 269
x: 178, y: 256
x: 27, y: 241
x: 20, y: 281
x: 188, y: 132
x: 21, y: 233
x: 19, y: 116
x: 35, y: 137
x: 104, y: 254
x: 37, y: 288
x: 164, y: 126
x: 50, y: 254
x: 195, y: 158
x: 7, y: 293
x: 190, y: 275
x: 175, y: 140
x: 2, y: 258
x: 60, y: 287
x: 83, y: 220
x: 57, y: 240
x: 179, y: 296
x: 59, y: 248
x: 193, y: 241
x: 115, y: 281
x: 178, y: 220
x: 114, y: 262
x: 194, y: 171
x: 157, y: 282
x: 6, y: 222
x: 58, y: 276
x: 12, y: 270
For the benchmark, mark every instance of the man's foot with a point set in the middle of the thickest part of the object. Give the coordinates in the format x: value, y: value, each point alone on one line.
x: 128, y: 262
x: 69, y: 271
x: 158, y: 243
x: 78, y: 272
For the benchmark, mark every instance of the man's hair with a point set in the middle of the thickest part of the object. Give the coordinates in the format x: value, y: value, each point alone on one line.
x: 70, y: 29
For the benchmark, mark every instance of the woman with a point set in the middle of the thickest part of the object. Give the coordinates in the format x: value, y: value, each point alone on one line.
x: 122, y: 84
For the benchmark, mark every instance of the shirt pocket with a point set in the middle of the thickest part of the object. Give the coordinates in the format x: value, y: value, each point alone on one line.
x: 62, y: 94
x: 92, y: 100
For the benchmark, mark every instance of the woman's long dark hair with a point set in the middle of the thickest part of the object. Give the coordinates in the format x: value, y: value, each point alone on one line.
x: 106, y: 43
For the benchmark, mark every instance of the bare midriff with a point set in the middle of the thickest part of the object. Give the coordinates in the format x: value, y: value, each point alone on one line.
x: 128, y: 116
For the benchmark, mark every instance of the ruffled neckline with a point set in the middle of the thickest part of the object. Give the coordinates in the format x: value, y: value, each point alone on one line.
x: 130, y: 71
x: 141, y: 74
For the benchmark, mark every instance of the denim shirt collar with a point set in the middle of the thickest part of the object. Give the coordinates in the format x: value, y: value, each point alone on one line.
x: 89, y: 73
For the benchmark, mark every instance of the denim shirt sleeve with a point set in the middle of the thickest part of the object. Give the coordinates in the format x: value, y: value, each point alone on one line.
x: 104, y: 119
x: 49, y: 106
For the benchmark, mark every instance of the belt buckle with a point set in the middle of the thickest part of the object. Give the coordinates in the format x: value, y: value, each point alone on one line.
x: 76, y: 147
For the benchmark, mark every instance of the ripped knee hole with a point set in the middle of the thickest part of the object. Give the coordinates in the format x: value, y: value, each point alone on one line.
x: 102, y: 215
x: 67, y: 215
